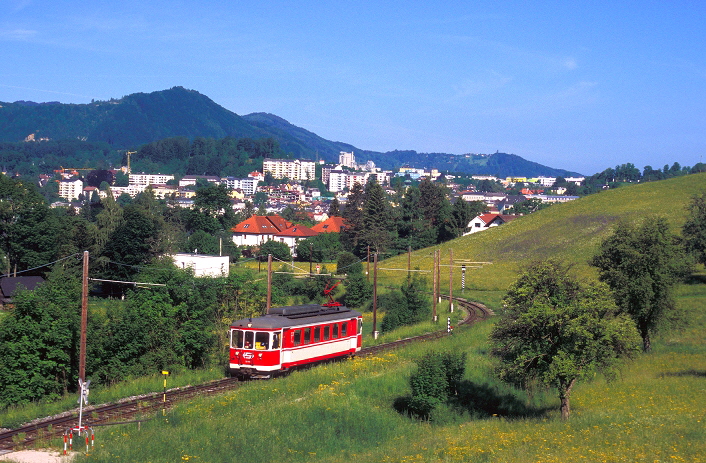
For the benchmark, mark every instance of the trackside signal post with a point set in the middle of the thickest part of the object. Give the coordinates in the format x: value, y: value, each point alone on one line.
x: 165, y: 373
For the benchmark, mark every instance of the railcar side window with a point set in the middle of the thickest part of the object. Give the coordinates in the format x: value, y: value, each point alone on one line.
x: 249, y: 339
x: 275, y: 340
x: 297, y: 337
x: 307, y: 335
x: 327, y: 332
x: 317, y: 334
x: 335, y: 331
x: 262, y: 340
x: 344, y: 329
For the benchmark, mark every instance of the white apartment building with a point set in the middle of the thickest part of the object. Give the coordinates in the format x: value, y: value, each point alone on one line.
x: 546, y: 181
x: 149, y: 179
x: 247, y: 185
x: 337, y: 180
x: 347, y: 159
x: 189, y: 180
x: 70, y: 189
x: 132, y: 190
x: 293, y: 169
x: 341, y: 179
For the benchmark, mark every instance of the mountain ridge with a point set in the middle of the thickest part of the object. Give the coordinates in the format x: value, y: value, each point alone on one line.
x: 141, y: 118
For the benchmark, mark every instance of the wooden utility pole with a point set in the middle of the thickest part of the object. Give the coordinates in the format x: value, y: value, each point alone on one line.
x: 375, y: 296
x: 367, y: 271
x: 269, y: 282
x: 434, y: 286
x: 409, y: 262
x: 451, y: 280
x: 84, y: 321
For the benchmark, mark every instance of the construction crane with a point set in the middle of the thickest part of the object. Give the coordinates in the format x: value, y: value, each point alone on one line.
x: 71, y: 170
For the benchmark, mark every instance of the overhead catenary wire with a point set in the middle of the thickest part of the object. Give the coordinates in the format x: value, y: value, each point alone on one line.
x: 78, y: 254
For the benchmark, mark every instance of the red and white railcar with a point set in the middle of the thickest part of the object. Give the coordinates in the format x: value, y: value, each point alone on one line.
x: 293, y: 336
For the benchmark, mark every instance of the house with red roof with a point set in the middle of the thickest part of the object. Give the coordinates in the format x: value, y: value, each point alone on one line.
x: 292, y: 235
x: 331, y: 225
x: 486, y: 221
x: 258, y: 229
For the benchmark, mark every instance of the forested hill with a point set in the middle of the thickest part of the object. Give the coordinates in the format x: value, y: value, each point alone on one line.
x: 125, y: 123
x: 141, y: 118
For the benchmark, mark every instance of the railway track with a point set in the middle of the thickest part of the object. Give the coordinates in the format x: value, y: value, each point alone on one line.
x: 103, y: 415
x: 474, y: 312
x: 127, y: 410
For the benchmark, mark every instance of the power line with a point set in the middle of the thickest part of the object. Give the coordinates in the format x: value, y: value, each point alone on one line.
x: 43, y: 265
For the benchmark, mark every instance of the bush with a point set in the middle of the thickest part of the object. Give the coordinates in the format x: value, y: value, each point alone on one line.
x: 358, y: 290
x: 348, y: 263
x: 396, y: 311
x: 278, y: 250
x: 436, y: 379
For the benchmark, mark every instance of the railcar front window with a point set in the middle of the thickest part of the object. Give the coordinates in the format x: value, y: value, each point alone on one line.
x: 248, y: 340
x: 262, y: 340
x: 275, y: 340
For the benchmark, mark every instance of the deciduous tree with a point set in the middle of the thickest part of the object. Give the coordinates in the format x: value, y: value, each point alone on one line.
x: 558, y: 330
x: 642, y: 263
x: 694, y: 229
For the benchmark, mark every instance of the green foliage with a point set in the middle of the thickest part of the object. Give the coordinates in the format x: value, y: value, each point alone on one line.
x: 642, y: 264
x: 348, y: 263
x: 351, y: 236
x: 279, y: 250
x: 324, y: 247
x: 463, y: 212
x: 39, y: 342
x: 410, y: 305
x: 202, y: 242
x: 557, y: 330
x: 29, y: 232
x: 315, y: 285
x: 694, y: 230
x: 436, y: 379
x: 358, y: 290
x: 394, y: 303
x: 212, y: 200
x: 378, y: 225
x: 133, y: 243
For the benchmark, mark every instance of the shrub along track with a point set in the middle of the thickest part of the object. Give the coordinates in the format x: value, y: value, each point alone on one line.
x: 128, y: 410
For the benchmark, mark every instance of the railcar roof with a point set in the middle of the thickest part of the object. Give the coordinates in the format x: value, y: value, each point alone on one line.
x: 297, y: 315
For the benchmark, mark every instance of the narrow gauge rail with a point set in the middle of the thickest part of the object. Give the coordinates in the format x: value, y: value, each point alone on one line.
x: 103, y: 415
x: 474, y: 312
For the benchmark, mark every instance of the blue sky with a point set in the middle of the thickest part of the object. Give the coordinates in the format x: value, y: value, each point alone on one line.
x: 575, y: 85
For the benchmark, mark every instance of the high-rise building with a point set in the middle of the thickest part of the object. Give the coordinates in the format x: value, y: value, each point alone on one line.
x: 347, y: 159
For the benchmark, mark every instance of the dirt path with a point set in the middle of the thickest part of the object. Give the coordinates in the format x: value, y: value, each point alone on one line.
x: 36, y: 456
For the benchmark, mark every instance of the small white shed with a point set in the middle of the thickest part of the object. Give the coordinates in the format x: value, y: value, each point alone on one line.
x: 203, y: 265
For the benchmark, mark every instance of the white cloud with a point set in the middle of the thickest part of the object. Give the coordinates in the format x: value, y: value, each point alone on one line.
x: 18, y: 34
x: 570, y: 64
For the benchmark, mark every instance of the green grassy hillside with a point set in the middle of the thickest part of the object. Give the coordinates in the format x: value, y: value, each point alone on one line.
x: 571, y: 231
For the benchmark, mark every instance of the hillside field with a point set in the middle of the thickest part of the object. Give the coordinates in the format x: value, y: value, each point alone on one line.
x: 345, y: 411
